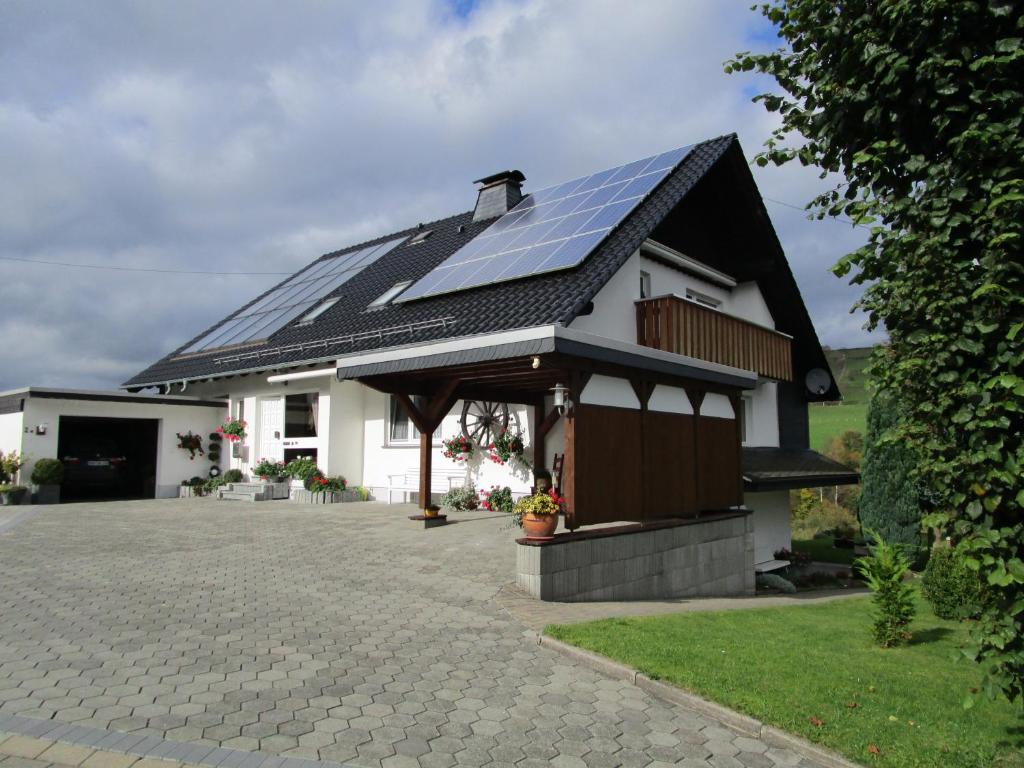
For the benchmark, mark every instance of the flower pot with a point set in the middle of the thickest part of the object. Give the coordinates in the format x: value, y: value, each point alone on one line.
x: 46, y: 494
x: 540, y: 527
x: 13, y: 497
x: 431, y: 512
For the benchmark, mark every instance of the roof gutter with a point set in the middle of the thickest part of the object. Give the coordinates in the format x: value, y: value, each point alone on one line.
x: 284, y: 378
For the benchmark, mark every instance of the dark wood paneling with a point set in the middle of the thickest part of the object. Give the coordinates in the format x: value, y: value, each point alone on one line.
x: 670, y: 472
x: 687, y: 328
x: 606, y: 464
x: 719, y: 472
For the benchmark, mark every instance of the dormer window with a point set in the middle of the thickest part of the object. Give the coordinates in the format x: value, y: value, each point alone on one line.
x: 318, y: 310
x: 389, y: 295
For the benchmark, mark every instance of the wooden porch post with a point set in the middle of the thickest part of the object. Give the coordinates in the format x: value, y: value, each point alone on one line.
x: 427, y: 419
x: 426, y: 460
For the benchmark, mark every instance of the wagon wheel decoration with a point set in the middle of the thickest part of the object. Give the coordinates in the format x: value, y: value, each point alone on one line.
x: 482, y: 421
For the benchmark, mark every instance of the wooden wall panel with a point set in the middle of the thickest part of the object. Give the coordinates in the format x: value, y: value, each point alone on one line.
x: 670, y: 472
x: 720, y: 477
x: 606, y: 464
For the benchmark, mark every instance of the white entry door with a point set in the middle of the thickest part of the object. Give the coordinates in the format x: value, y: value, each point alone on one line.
x: 271, y: 429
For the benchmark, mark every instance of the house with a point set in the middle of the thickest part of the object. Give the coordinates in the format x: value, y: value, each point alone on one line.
x: 652, y: 299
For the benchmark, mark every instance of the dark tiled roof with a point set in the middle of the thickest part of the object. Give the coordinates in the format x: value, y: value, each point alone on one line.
x: 540, y: 300
x: 783, y: 468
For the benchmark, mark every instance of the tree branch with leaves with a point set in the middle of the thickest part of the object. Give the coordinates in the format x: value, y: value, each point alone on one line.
x: 918, y: 107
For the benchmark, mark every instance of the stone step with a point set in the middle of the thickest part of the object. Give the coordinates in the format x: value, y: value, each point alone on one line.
x: 238, y: 496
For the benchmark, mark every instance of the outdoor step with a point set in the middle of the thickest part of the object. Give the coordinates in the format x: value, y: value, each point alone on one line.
x: 236, y: 496
x: 247, y: 487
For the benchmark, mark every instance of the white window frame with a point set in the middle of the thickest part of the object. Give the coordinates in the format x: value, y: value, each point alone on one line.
x: 703, y: 299
x: 414, y: 438
x: 318, y: 310
x: 746, y: 417
x: 389, y: 295
x: 645, y: 284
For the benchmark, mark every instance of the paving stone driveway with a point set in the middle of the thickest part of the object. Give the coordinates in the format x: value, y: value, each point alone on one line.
x: 344, y: 633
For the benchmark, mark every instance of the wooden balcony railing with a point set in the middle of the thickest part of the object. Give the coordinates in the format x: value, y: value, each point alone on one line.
x: 672, y: 324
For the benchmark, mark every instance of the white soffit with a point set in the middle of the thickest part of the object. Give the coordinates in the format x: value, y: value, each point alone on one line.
x: 606, y: 390
x: 670, y: 400
x: 716, y: 406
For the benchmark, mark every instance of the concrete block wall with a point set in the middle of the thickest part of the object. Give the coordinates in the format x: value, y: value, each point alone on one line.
x: 698, y: 558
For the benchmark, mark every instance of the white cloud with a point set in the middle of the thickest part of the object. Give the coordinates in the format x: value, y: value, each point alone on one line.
x: 255, y: 136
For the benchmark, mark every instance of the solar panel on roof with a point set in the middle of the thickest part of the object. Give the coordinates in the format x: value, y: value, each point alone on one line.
x: 551, y: 229
x: 292, y: 298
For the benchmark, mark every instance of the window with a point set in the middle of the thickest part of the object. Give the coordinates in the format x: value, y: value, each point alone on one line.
x: 746, y: 417
x: 645, y: 285
x: 702, y: 298
x: 302, y: 415
x: 419, y: 237
x: 319, y: 311
x: 400, y: 426
x: 385, y: 298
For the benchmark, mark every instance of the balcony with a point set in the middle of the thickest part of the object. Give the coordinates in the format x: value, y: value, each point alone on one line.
x: 672, y: 324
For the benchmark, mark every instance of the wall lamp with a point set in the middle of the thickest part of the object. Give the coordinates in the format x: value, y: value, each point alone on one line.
x: 562, y: 397
x: 41, y: 428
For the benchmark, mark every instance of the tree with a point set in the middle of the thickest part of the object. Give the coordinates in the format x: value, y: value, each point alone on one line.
x: 917, y: 106
x: 890, y: 502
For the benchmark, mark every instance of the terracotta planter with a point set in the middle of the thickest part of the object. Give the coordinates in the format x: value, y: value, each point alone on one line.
x: 540, y: 527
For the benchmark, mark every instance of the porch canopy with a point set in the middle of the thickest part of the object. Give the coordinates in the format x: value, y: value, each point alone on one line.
x: 628, y: 455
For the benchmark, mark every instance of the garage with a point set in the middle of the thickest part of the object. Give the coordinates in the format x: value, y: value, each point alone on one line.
x: 113, y: 445
x: 107, y: 458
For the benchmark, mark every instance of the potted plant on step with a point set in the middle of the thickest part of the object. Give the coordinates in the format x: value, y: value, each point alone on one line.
x: 47, y: 475
x: 537, y: 515
x: 270, y: 471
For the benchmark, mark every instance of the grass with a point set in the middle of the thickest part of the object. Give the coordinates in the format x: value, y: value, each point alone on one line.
x: 788, y: 665
x: 848, y: 368
x: 822, y: 551
x: 828, y: 421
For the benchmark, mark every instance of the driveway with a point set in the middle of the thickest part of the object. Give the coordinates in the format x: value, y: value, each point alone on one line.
x: 344, y: 633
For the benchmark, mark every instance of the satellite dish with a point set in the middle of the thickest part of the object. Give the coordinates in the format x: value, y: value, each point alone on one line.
x: 818, y: 381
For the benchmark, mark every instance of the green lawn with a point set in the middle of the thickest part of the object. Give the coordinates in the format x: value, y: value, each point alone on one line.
x: 828, y: 421
x: 786, y: 666
x: 822, y: 551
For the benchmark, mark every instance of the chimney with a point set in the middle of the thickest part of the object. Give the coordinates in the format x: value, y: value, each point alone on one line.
x: 499, y: 193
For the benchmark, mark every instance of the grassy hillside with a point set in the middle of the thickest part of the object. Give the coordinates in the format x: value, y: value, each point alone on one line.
x: 831, y: 420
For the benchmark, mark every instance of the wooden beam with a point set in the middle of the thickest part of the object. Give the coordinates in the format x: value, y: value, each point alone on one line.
x: 426, y: 460
x: 414, y: 413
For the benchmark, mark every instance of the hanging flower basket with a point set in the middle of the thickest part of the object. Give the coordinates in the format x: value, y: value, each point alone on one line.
x: 458, y: 449
x: 233, y: 430
x: 508, y: 446
x: 191, y: 443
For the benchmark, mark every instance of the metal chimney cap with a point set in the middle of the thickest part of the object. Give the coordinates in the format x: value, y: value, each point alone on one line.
x: 502, y: 176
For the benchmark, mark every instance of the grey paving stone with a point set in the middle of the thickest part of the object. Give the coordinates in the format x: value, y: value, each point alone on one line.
x: 291, y: 631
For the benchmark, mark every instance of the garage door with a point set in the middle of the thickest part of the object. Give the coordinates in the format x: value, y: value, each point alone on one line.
x: 107, y: 458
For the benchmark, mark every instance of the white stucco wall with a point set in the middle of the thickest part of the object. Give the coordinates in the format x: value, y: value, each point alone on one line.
x: 607, y: 390
x: 771, y: 523
x: 172, y: 463
x: 762, y: 426
x: 382, y: 457
x: 11, y: 426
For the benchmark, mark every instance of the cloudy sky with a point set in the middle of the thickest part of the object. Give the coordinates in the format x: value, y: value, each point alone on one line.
x: 250, y: 137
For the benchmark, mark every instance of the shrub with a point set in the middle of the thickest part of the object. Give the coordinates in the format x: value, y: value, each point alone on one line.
x: 773, y: 581
x: 460, y: 499
x: 796, y: 559
x: 953, y: 589
x: 211, y: 484
x: 883, y: 571
x: 233, y: 476
x: 890, y: 502
x: 498, y: 499
x: 268, y: 468
x: 10, y: 463
x: 813, y: 515
x: 48, y: 472
x: 361, y: 491
x: 301, y: 469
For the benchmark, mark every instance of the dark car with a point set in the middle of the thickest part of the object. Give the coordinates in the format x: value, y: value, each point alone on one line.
x: 96, y: 462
